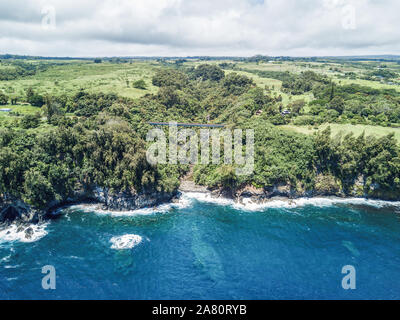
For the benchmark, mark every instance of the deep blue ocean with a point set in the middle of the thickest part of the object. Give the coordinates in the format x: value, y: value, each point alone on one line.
x: 203, y: 250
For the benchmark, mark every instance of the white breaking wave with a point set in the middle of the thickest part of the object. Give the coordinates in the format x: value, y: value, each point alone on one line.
x: 18, y: 233
x: 163, y: 208
x: 96, y: 208
x: 187, y: 199
x: 248, y: 205
x: 316, y: 202
x: 207, y: 197
x: 127, y: 241
x: 5, y: 259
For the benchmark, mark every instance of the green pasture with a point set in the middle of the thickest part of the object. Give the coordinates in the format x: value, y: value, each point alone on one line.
x: 369, y: 130
x: 72, y: 76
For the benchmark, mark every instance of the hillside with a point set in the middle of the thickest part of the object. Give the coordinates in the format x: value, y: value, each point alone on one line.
x: 78, y: 125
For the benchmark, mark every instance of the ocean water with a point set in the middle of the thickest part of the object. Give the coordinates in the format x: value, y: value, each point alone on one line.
x: 201, y: 248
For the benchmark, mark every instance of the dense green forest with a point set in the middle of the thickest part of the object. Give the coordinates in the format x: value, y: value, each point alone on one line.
x: 68, y: 142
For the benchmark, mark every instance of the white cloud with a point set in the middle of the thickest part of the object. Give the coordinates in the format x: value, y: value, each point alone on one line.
x: 206, y: 27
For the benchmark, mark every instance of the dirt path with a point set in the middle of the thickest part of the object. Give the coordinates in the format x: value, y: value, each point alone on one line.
x: 188, y: 185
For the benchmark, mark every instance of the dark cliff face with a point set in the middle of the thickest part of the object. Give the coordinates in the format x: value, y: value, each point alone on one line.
x: 15, y: 210
x: 128, y: 201
x: 323, y: 188
x: 18, y: 211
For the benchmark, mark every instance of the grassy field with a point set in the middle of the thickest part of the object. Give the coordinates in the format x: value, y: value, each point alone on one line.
x: 17, y: 110
x: 347, y: 128
x: 72, y: 76
x: 276, y: 86
x: 67, y: 77
x: 367, y: 83
x: 333, y: 70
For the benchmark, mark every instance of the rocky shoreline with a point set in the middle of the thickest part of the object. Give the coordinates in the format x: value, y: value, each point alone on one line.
x: 16, y: 211
x: 285, y: 192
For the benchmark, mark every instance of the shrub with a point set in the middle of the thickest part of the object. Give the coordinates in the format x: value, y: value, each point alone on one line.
x: 3, y: 99
x: 140, y: 84
x: 30, y: 121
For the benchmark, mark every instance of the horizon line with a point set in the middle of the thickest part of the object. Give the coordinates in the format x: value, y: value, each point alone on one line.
x: 199, y: 56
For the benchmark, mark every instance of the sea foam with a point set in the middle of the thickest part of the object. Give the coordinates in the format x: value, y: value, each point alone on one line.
x: 14, y: 233
x: 127, y: 241
x: 316, y: 202
x: 182, y: 202
x: 248, y: 205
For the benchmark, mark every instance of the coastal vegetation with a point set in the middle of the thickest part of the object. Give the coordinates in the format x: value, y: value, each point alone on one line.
x: 76, y: 125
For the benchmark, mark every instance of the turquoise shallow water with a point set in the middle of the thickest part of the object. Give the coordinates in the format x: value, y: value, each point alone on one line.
x: 210, y: 251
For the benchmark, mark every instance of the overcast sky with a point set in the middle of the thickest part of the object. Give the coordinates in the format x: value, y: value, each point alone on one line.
x: 199, y: 27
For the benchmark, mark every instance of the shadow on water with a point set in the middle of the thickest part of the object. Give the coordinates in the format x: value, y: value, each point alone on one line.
x: 207, y: 257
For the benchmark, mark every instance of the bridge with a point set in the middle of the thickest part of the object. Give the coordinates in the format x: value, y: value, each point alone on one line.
x: 187, y: 124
